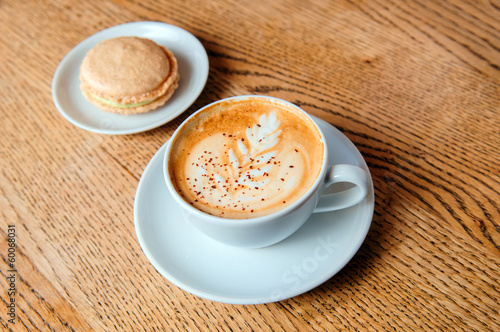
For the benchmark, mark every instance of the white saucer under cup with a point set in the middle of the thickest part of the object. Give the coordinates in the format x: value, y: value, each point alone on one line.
x: 214, y: 271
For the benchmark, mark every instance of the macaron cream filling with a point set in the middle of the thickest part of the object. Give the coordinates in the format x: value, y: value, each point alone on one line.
x: 113, y: 104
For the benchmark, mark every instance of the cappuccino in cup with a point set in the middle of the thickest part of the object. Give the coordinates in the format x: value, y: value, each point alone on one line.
x: 245, y: 158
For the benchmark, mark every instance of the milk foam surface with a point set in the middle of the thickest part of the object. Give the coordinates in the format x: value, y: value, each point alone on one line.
x: 244, y: 159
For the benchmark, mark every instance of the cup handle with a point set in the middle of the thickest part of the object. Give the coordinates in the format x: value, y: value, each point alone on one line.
x: 344, y: 199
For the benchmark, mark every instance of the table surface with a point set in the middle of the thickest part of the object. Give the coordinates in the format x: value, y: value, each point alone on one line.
x: 413, y: 84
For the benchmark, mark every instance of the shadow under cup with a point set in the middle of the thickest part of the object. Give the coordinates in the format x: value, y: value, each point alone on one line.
x: 268, y: 229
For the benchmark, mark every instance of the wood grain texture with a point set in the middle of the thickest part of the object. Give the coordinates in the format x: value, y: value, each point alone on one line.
x: 414, y: 84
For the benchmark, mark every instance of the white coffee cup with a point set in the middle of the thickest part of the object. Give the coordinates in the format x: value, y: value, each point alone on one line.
x: 272, y: 228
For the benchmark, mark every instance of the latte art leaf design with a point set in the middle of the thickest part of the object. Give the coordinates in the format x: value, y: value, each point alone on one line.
x: 263, y: 135
x: 250, y: 169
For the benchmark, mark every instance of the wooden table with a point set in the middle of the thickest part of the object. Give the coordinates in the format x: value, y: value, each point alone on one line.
x: 413, y: 84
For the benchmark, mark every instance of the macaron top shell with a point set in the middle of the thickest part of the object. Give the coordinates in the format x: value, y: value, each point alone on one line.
x: 125, y: 66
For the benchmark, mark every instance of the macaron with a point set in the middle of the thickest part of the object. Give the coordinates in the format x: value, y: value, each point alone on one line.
x: 128, y: 75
